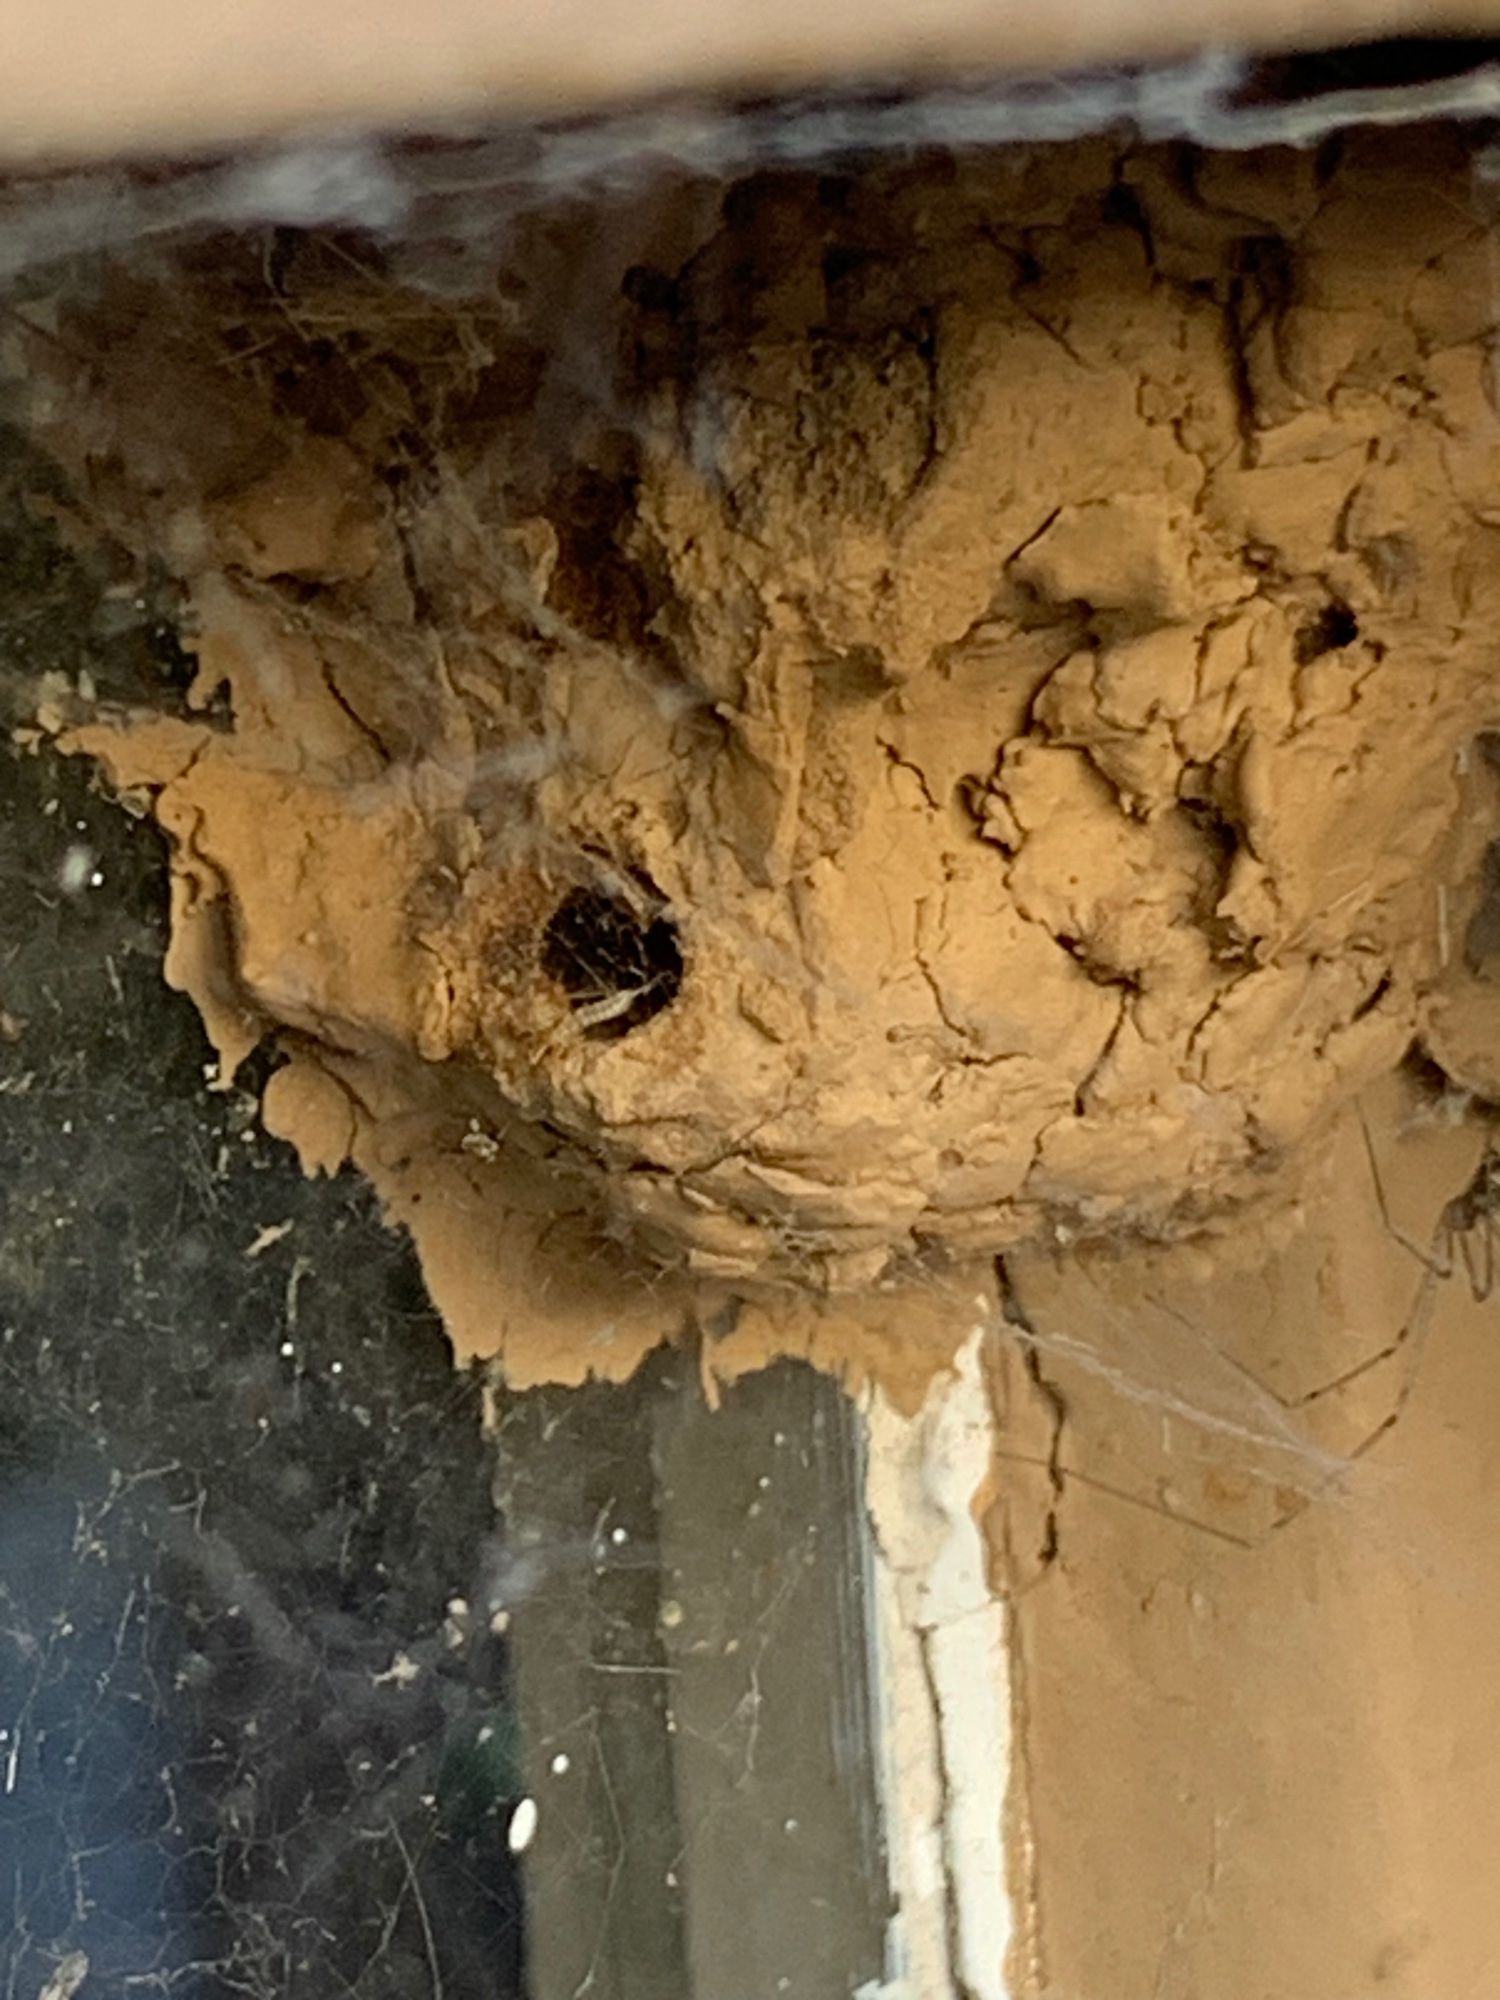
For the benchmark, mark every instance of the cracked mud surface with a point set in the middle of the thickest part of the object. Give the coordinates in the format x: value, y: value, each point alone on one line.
x: 840, y: 725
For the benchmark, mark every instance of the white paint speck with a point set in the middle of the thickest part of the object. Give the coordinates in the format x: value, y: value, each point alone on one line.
x: 522, y: 1829
x: 286, y: 1350
x: 561, y: 1764
x: 500, y: 1622
x: 618, y: 1535
x: 458, y: 1607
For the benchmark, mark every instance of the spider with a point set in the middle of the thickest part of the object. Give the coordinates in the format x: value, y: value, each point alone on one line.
x: 1469, y: 1225
x: 614, y: 951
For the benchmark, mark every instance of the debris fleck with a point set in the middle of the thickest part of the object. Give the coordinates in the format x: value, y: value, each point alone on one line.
x: 274, y: 1232
x: 78, y: 869
x: 403, y: 1670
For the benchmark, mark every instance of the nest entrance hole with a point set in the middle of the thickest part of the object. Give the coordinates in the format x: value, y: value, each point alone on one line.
x: 615, y: 954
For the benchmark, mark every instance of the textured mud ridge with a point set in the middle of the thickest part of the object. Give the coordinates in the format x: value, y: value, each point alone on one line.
x: 839, y: 724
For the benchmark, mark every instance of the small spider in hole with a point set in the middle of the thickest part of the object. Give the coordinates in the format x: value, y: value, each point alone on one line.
x: 615, y: 953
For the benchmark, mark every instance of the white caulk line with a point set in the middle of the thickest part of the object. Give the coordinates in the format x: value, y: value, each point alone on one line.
x: 945, y: 1695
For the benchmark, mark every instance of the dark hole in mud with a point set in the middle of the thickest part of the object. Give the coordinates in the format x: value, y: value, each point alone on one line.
x: 1482, y: 940
x: 1334, y: 627
x: 615, y: 955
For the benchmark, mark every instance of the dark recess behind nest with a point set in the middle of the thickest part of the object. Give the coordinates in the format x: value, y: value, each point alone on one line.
x: 1386, y: 64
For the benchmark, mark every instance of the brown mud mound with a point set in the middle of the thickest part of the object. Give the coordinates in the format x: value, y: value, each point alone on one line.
x: 843, y: 723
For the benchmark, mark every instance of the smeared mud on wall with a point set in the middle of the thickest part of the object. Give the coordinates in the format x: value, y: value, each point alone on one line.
x: 1253, y: 1708
x: 785, y: 740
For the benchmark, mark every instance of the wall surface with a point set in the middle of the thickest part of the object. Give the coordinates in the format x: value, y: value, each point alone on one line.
x: 1257, y: 1756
